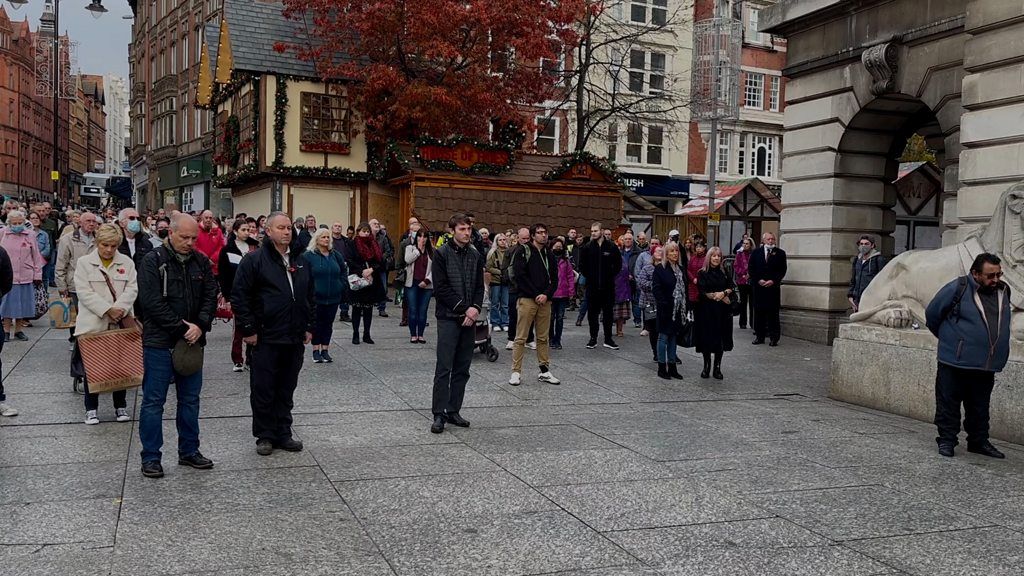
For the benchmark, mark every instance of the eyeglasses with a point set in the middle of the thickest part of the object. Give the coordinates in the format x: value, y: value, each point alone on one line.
x: 993, y: 275
x: 132, y: 217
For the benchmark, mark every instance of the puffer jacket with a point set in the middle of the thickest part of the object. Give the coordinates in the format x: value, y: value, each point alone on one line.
x: 566, y: 279
x: 962, y: 329
x: 458, y: 274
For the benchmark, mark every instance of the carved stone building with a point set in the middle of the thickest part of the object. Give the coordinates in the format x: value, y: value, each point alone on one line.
x: 863, y: 76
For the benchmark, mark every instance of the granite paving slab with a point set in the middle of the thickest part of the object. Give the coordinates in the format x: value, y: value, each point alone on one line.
x: 649, y: 504
x: 72, y: 481
x: 864, y: 512
x: 45, y: 559
x: 580, y: 466
x: 531, y: 439
x: 364, y: 463
x: 974, y: 552
x: 86, y: 522
x: 813, y: 561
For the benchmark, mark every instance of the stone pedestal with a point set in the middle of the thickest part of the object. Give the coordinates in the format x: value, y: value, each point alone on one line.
x: 894, y: 371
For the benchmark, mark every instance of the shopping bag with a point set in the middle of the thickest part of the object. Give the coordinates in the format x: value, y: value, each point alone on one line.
x: 62, y: 312
x: 42, y: 301
x: 113, y: 358
x: 223, y: 309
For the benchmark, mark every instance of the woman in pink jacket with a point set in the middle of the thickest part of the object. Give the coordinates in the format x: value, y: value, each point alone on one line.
x: 20, y: 303
x: 741, y: 276
x: 564, y: 292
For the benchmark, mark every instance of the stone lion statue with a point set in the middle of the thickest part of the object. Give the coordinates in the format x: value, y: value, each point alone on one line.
x: 898, y: 296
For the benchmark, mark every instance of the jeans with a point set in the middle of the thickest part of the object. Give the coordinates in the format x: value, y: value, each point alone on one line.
x: 419, y: 301
x: 584, y: 304
x: 558, y: 307
x: 532, y: 314
x: 383, y: 304
x: 973, y: 388
x: 455, y: 344
x: 2, y: 396
x: 637, y: 311
x: 499, y: 306
x: 667, y: 348
x: 323, y: 324
x: 159, y: 373
x: 49, y: 271
x: 343, y: 305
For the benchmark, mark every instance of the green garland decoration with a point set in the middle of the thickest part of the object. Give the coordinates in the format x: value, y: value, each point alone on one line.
x: 280, y: 117
x: 251, y: 172
x: 603, y: 166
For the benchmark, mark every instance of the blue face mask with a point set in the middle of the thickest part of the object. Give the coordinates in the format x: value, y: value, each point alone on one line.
x: 18, y: 228
x: 134, y: 226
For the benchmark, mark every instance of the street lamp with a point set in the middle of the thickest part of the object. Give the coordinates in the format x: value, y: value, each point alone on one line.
x: 97, y: 9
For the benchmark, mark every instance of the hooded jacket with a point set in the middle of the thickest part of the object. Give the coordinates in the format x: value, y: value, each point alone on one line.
x: 962, y: 329
x: 266, y: 304
x: 864, y: 271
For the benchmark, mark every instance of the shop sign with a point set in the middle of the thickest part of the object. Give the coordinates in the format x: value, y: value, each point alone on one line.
x: 464, y: 156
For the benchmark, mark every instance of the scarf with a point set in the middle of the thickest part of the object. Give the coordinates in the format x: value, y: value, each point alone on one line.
x: 678, y: 293
x: 368, y: 249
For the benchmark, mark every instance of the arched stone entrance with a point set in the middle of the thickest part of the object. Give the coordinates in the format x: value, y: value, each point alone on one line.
x: 863, y: 76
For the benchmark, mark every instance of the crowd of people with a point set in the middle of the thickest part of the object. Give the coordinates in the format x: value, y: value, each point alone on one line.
x: 286, y: 282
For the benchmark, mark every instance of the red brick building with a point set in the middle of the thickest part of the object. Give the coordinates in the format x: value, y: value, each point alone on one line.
x: 26, y: 121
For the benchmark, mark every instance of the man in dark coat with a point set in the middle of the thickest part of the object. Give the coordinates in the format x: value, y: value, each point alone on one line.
x: 600, y: 263
x: 458, y: 277
x: 971, y: 318
x: 767, y: 269
x: 178, y: 293
x: 273, y: 301
x: 342, y: 245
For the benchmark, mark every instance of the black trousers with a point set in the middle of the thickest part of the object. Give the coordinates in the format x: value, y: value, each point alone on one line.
x: 600, y: 302
x: 746, y: 305
x: 766, y: 312
x: 973, y: 388
x: 454, y: 356
x: 273, y: 376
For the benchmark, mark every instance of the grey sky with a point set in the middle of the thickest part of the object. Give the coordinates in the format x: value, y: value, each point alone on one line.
x: 102, y: 43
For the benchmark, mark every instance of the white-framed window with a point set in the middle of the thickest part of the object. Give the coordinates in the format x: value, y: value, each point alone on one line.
x: 741, y: 157
x: 722, y: 152
x: 762, y: 155
x: 174, y: 59
x: 501, y: 55
x: 753, y: 91
x: 641, y: 150
x: 554, y: 67
x: 646, y: 72
x: 199, y: 43
x: 186, y: 57
x: 774, y: 93
x: 547, y: 134
x: 753, y: 22
x: 654, y: 12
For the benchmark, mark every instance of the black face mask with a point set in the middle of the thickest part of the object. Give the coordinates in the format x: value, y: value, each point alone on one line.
x: 163, y: 233
x: 559, y: 252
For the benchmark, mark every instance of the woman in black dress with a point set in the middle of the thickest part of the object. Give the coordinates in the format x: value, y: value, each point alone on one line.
x: 365, y: 260
x: 713, y: 316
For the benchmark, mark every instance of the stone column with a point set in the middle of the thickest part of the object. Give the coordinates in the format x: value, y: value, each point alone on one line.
x: 992, y: 128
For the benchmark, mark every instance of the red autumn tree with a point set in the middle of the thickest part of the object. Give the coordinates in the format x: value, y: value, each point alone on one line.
x: 435, y: 67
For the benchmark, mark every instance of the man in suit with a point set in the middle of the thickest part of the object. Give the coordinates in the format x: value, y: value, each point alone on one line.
x: 767, y: 269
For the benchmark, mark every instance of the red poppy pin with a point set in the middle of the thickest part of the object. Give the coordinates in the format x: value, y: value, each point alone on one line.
x: 291, y: 269
x: 120, y: 270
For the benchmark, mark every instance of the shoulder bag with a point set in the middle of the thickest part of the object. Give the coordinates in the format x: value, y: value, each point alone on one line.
x: 113, y: 358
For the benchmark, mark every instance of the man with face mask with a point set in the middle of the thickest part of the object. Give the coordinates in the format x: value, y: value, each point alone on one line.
x: 135, y: 244
x: 866, y: 265
x: 971, y: 318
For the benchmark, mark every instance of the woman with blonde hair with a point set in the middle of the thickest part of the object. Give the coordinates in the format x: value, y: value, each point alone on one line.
x: 669, y: 289
x: 713, y: 314
x: 330, y: 274
x: 101, y: 305
x: 498, y: 265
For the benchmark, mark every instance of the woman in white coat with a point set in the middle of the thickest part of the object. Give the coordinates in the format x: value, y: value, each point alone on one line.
x: 98, y: 309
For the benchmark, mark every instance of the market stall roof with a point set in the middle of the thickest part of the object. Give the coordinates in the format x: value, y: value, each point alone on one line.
x: 724, y: 192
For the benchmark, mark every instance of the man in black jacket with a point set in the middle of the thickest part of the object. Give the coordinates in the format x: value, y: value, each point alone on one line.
x: 458, y: 276
x: 767, y: 269
x: 536, y: 274
x: 273, y: 303
x: 600, y: 263
x: 178, y: 295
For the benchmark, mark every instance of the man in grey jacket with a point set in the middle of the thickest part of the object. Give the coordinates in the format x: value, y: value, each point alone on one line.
x: 971, y: 318
x: 458, y: 275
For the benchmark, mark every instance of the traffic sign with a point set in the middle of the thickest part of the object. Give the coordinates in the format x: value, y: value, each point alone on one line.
x: 54, y: 175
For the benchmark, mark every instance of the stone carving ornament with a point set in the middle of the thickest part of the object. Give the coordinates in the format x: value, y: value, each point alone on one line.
x: 882, y: 62
x: 898, y: 296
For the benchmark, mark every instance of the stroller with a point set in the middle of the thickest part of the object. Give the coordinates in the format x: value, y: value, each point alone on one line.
x: 482, y: 338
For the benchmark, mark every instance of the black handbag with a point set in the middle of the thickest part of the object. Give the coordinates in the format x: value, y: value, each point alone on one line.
x: 734, y: 304
x: 684, y: 331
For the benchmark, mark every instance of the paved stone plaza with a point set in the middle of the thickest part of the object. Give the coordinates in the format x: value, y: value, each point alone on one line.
x: 613, y: 473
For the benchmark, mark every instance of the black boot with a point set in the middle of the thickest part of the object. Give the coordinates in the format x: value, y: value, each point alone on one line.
x: 663, y: 371
x: 718, y: 368
x: 673, y: 372
x: 707, y: 366
x: 367, y: 339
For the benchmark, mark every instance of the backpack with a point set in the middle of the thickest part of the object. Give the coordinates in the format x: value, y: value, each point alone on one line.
x: 512, y: 261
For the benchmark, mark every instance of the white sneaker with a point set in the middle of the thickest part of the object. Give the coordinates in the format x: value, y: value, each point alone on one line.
x: 548, y: 377
x: 122, y: 415
x: 495, y: 328
x: 510, y: 345
x: 516, y: 379
x: 531, y: 345
x: 237, y: 368
x: 645, y: 333
x: 7, y: 410
x: 91, y: 418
